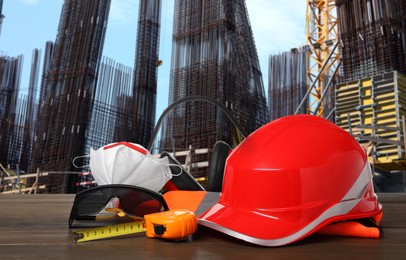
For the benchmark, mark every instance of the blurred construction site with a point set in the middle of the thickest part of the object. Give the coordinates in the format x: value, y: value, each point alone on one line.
x: 350, y: 69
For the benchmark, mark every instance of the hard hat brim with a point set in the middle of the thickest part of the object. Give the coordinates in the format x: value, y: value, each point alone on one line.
x: 282, y: 226
x: 256, y: 228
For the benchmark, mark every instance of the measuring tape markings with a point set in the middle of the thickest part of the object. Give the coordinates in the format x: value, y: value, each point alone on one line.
x: 109, y: 231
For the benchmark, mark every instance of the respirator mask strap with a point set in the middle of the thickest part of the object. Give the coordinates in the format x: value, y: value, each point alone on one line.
x: 176, y: 165
x: 79, y: 157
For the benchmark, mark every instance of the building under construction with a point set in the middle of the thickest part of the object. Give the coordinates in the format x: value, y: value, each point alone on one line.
x: 111, y: 111
x: 370, y: 100
x: 67, y: 90
x: 10, y: 77
x: 303, y: 80
x: 373, y: 37
x: 287, y: 83
x: 85, y: 101
x: 145, y: 71
x: 213, y: 55
x: 368, y: 87
x: 124, y: 102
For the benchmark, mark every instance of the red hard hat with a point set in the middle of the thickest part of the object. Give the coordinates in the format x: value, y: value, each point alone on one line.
x: 289, y: 179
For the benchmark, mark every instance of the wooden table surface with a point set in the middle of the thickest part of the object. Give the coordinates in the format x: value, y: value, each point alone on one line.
x: 36, y: 227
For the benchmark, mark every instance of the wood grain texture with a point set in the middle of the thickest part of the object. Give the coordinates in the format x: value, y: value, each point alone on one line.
x: 36, y: 227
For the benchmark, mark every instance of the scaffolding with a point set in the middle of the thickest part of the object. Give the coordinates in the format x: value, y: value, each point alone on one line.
x: 372, y: 109
x: 213, y: 55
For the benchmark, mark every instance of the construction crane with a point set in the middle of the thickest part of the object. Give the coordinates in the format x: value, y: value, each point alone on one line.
x: 323, y: 57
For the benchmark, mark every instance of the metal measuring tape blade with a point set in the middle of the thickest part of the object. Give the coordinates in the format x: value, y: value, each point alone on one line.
x: 109, y: 231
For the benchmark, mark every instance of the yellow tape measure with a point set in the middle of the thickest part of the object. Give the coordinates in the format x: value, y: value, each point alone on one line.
x: 173, y: 224
x: 109, y: 231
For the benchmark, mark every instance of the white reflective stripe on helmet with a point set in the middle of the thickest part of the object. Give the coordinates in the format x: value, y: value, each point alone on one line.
x: 358, y: 188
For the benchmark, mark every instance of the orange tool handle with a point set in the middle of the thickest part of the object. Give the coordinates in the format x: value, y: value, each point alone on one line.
x: 172, y: 224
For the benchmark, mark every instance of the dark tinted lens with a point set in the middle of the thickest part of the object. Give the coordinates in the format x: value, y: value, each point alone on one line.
x: 134, y: 201
x: 93, y: 201
x: 139, y: 202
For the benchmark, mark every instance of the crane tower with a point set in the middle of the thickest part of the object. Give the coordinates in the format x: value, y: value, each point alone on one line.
x: 323, y: 58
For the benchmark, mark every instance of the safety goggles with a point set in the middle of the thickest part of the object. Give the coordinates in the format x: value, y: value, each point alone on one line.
x: 134, y: 202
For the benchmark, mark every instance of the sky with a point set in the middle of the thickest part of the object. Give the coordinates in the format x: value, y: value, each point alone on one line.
x: 277, y: 26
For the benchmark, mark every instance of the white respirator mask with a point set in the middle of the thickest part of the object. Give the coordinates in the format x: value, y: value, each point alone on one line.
x: 129, y: 163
